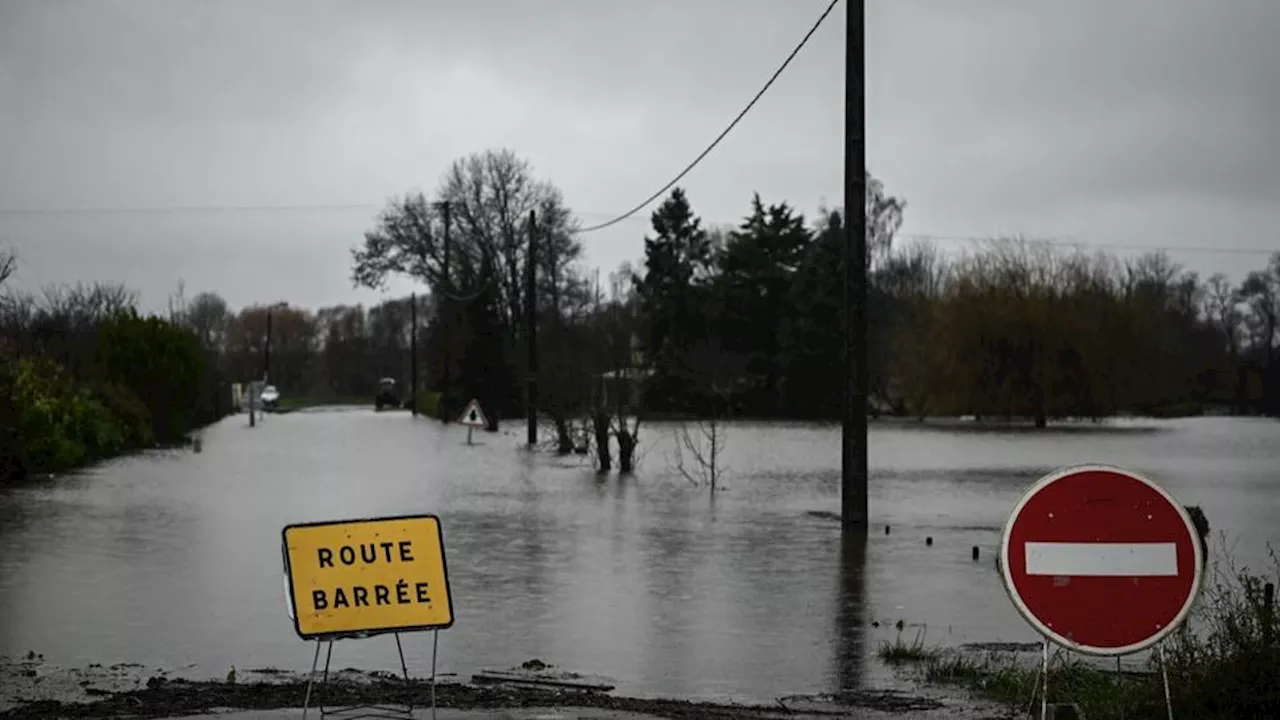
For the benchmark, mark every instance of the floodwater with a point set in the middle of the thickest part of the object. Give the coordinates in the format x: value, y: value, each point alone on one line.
x: 173, y: 558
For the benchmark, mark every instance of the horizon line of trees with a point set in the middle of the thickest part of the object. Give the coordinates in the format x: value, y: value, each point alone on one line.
x: 747, y: 320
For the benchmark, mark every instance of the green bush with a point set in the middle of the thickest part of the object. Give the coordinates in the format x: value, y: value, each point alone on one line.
x: 54, y: 425
x: 161, y: 363
x: 131, y: 414
x: 138, y: 380
x: 429, y: 404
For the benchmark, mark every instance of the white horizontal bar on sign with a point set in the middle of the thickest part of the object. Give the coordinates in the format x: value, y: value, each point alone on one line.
x: 1102, y: 559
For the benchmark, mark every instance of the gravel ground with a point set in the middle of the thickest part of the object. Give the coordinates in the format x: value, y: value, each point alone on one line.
x: 34, y: 690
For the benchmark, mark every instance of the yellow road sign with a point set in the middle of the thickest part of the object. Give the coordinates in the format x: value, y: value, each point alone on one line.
x: 355, y: 578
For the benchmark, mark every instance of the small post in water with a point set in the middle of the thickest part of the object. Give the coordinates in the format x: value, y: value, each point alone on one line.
x: 413, y: 354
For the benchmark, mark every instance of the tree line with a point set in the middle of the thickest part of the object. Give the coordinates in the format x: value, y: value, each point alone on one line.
x: 718, y: 321
x: 747, y: 320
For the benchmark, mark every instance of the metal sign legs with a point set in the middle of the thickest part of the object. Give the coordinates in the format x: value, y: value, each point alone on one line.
x: 372, y: 710
x: 1043, y: 680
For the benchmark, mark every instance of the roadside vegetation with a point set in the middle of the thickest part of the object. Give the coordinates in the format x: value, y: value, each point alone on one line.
x: 84, y: 377
x: 1224, y: 664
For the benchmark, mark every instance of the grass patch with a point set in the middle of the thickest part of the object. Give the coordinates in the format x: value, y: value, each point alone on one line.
x: 1100, y: 693
x: 899, y: 652
x: 1226, y: 665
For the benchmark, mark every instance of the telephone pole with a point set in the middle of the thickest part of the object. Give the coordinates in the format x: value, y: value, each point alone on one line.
x: 531, y: 322
x: 266, y: 355
x: 853, y: 458
x: 413, y: 354
x: 444, y: 307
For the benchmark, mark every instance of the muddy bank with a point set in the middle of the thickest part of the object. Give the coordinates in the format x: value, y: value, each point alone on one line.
x: 34, y: 690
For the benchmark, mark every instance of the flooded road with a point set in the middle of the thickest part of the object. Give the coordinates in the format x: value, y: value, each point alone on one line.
x: 173, y: 558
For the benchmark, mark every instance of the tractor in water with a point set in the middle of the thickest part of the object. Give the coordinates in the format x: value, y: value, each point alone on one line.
x: 387, y: 396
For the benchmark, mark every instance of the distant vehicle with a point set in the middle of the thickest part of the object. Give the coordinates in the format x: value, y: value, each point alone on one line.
x: 386, y: 396
x: 270, y: 397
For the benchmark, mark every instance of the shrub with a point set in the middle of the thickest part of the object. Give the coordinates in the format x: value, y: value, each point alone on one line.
x: 131, y: 414
x: 429, y: 404
x: 1223, y: 664
x: 53, y: 425
x: 161, y: 363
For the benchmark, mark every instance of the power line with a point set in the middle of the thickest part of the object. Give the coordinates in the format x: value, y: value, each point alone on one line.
x: 721, y: 136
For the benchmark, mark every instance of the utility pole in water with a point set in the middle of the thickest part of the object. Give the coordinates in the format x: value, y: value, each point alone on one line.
x: 531, y: 321
x: 853, y: 457
x: 413, y: 354
x: 444, y: 305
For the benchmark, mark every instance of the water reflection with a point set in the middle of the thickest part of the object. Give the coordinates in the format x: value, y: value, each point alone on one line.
x: 850, y: 613
x: 671, y: 568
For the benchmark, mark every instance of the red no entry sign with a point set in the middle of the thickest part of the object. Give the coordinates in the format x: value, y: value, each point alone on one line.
x: 1101, y: 560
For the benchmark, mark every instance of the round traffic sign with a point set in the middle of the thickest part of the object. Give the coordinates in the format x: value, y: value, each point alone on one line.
x: 1101, y: 560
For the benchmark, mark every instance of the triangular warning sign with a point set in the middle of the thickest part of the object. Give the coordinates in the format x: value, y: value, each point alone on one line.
x: 473, y: 415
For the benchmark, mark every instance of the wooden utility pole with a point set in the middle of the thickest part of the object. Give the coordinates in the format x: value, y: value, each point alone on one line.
x: 413, y: 354
x: 266, y: 355
x: 445, y: 308
x: 853, y: 458
x: 531, y: 322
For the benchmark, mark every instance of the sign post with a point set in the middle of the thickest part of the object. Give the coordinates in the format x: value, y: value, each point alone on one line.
x: 472, y: 417
x: 1102, y: 561
x: 359, y: 578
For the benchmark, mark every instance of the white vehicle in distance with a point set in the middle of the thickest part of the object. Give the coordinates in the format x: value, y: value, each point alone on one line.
x: 269, y: 397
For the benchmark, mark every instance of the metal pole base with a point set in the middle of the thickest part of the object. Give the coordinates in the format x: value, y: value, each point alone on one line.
x: 359, y: 712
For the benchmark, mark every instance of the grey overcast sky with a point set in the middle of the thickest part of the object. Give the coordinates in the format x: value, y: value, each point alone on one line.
x: 1138, y: 122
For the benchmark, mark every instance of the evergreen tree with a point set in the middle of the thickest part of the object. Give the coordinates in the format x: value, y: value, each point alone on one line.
x: 678, y: 265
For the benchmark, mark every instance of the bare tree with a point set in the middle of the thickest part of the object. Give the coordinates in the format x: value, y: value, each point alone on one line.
x: 615, y: 373
x: 1221, y: 308
x: 208, y: 317
x: 628, y: 367
x: 716, y: 372
x: 703, y: 443
x: 8, y: 264
x: 1261, y: 289
x: 490, y: 195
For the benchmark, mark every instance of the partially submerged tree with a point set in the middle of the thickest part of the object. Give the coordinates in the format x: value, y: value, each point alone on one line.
x: 702, y: 441
x: 717, y: 373
x: 618, y: 373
